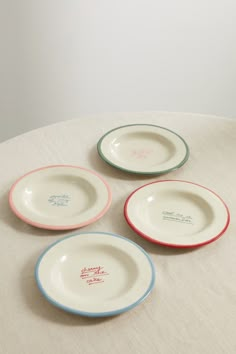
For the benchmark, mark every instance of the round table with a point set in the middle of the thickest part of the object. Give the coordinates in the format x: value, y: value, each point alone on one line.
x: 192, y: 308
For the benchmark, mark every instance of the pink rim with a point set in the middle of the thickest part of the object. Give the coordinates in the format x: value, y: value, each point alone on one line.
x: 61, y: 227
x: 145, y: 236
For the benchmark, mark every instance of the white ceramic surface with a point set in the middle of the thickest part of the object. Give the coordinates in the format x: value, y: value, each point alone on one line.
x: 60, y: 197
x: 177, y: 213
x: 95, y: 274
x: 143, y: 149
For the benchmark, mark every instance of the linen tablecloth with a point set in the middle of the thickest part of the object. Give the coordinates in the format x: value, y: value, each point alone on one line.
x: 192, y: 309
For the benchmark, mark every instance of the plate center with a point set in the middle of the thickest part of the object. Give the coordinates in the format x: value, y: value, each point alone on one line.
x: 178, y: 213
x: 59, y: 196
x: 144, y: 149
x: 95, y: 273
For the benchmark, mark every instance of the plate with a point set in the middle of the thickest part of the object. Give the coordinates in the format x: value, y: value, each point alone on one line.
x: 60, y: 197
x: 177, y: 213
x: 95, y: 274
x: 143, y: 149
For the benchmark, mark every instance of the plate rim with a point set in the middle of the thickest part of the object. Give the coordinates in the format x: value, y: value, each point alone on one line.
x: 174, y: 245
x: 56, y: 227
x: 150, y: 173
x: 101, y: 313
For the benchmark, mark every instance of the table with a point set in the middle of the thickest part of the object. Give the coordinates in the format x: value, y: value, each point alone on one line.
x: 192, y: 309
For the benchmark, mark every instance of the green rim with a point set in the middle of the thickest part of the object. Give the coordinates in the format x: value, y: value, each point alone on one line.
x: 156, y: 173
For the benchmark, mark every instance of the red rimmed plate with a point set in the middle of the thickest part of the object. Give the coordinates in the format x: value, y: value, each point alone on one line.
x: 177, y: 213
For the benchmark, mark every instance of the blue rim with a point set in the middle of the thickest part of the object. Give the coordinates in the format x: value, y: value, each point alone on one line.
x: 94, y: 314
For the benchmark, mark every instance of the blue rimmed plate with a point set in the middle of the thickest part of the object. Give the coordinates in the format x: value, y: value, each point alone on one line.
x: 95, y: 274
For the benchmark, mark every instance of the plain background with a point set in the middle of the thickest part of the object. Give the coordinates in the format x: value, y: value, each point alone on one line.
x: 65, y: 59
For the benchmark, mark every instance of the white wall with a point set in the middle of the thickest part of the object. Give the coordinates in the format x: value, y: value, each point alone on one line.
x: 62, y: 59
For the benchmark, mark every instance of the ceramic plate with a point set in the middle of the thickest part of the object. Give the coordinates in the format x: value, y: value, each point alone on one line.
x: 60, y: 197
x: 95, y: 274
x: 177, y: 213
x: 143, y: 149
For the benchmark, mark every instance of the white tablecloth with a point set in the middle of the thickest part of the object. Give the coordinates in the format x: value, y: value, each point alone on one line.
x: 192, y: 309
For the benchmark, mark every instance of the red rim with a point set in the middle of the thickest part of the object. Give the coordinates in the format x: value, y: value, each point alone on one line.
x: 145, y: 236
x: 62, y: 227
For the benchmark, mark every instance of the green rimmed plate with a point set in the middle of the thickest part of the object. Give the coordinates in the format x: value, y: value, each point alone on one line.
x: 143, y: 149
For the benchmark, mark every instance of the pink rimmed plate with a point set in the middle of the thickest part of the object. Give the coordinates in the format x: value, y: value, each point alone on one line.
x: 60, y: 197
x: 177, y: 213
